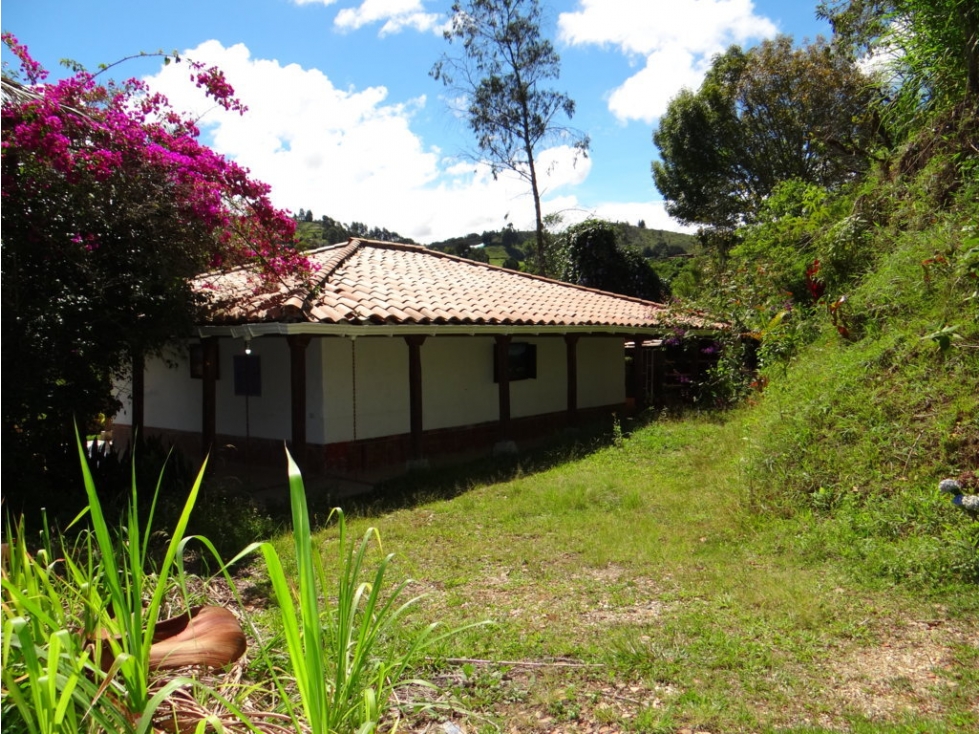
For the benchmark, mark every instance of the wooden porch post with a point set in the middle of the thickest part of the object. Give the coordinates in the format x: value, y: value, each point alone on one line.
x: 571, y: 348
x: 139, y: 396
x: 658, y: 358
x: 638, y: 376
x: 415, y: 395
x: 297, y: 383
x: 503, y: 379
x: 209, y: 408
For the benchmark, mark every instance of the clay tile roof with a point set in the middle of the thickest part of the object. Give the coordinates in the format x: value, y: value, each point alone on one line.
x: 365, y: 282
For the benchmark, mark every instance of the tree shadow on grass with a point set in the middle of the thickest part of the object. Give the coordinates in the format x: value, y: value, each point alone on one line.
x: 443, y: 482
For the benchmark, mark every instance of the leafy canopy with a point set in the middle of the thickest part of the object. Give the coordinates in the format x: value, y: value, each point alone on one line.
x: 593, y: 258
x: 110, y: 204
x: 763, y: 116
x: 930, y: 49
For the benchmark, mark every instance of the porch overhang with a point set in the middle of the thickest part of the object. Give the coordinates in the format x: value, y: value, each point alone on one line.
x: 256, y: 330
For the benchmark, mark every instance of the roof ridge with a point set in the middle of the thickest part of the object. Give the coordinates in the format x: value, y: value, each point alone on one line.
x: 343, y: 252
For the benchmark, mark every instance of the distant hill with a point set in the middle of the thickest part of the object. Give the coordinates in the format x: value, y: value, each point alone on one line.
x: 314, y: 233
x: 506, y: 247
x: 509, y: 247
x: 656, y: 244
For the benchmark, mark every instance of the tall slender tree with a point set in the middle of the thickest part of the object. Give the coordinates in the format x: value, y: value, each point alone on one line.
x: 503, y: 71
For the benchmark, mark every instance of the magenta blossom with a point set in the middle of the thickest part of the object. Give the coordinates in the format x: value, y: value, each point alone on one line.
x: 87, y: 134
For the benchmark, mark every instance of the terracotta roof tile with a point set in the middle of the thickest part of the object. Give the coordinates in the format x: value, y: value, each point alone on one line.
x: 390, y: 283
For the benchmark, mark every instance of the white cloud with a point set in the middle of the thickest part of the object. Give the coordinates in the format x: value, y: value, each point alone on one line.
x: 396, y: 15
x: 646, y: 94
x: 351, y: 154
x: 677, y: 39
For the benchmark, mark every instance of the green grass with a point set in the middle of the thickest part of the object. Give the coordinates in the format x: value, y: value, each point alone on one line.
x: 646, y: 564
x: 79, y: 621
x: 786, y: 567
x: 343, y: 670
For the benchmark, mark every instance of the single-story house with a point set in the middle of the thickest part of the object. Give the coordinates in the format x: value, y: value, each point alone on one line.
x: 393, y: 353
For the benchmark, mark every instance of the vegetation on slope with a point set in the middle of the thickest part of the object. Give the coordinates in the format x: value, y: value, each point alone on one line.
x: 860, y: 425
x: 861, y: 294
x: 788, y: 566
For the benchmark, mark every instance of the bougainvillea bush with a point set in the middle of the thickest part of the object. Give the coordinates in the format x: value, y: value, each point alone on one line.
x: 109, y: 203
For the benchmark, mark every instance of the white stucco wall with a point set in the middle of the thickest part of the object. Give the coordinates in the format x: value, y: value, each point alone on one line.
x: 549, y: 392
x: 601, y: 371
x: 172, y: 398
x: 365, y: 387
x: 458, y: 385
x: 316, y: 417
x: 457, y: 381
x: 263, y: 416
x: 336, y: 383
x: 358, y: 389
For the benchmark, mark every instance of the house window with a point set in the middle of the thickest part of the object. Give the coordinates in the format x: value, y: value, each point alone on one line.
x: 521, y: 362
x: 196, y: 359
x: 248, y: 375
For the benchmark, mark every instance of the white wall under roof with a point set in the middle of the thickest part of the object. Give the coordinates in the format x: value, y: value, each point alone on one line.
x: 171, y: 398
x: 601, y: 371
x: 364, y: 387
x: 457, y: 381
x: 358, y: 389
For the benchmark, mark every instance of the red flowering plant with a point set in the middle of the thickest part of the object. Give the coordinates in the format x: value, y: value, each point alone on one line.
x: 835, y: 309
x: 110, y: 203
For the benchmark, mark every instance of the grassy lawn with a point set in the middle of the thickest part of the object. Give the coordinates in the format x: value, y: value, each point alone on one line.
x: 629, y: 589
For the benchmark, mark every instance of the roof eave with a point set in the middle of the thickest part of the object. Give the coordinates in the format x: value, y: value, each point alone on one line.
x: 253, y: 331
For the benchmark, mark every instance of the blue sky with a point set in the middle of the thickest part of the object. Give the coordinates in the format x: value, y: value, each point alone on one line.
x: 345, y: 120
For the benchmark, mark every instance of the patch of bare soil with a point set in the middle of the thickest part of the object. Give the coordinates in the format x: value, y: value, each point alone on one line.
x: 903, y: 674
x: 907, y: 671
x: 557, y: 697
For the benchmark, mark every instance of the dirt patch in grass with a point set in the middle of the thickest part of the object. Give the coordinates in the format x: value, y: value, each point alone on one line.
x: 899, y: 669
x: 910, y: 671
x: 540, y: 696
x: 909, y: 674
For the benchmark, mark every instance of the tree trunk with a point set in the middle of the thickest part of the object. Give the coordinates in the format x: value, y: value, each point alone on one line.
x: 542, y: 268
x: 970, y: 20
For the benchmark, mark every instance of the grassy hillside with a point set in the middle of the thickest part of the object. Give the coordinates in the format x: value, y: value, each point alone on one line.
x: 786, y: 566
x: 635, y: 583
x: 859, y: 429
x: 859, y: 425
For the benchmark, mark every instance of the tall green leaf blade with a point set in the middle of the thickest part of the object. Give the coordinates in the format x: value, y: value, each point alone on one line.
x: 311, y: 629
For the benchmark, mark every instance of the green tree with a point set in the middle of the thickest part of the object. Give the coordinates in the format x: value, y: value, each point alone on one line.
x: 110, y: 205
x: 592, y: 258
x: 503, y: 71
x: 760, y: 117
x: 509, y: 236
x: 932, y: 47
